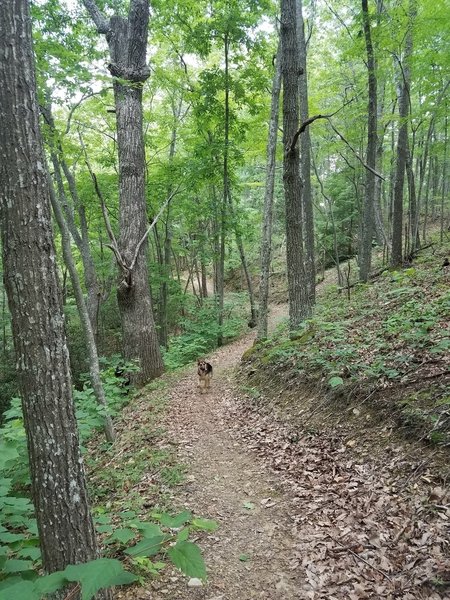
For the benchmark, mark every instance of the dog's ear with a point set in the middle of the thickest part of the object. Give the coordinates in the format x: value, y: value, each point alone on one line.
x: 198, y: 361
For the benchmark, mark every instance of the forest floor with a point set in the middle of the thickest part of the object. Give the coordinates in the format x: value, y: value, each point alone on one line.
x: 300, y: 516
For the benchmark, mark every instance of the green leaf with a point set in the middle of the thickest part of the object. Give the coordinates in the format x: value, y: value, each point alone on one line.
x: 148, y: 529
x: 23, y: 590
x: 104, y: 528
x: 15, y: 565
x: 122, y: 535
x: 98, y: 574
x: 205, y: 524
x: 187, y: 557
x: 249, y: 505
x: 10, y: 538
x: 7, y: 452
x: 50, y: 583
x: 148, y: 546
x: 335, y: 382
x: 244, y: 557
x: 183, y: 535
x: 176, y: 521
x: 32, y: 553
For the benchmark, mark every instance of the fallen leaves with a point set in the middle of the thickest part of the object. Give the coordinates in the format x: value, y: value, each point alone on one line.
x: 363, y: 530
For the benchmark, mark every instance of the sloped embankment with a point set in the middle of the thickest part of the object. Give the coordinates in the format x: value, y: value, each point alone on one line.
x: 380, y: 356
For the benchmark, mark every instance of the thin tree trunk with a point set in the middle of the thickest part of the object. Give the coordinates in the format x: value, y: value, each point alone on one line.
x: 368, y: 215
x: 248, y: 279
x: 81, y: 237
x: 444, y: 181
x: 94, y: 366
x: 305, y: 162
x: 266, y: 237
x: 299, y: 308
x: 223, y: 210
x: 402, y: 144
x: 66, y: 531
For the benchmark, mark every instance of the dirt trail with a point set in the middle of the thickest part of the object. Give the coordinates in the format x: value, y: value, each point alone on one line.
x: 277, y: 541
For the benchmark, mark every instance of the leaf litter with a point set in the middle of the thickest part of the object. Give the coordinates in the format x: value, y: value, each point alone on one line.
x: 325, y: 523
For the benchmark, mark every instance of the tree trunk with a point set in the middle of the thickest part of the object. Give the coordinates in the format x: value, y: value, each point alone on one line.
x: 444, y: 182
x: 299, y: 307
x: 402, y: 149
x: 305, y: 161
x: 266, y: 236
x: 226, y: 184
x: 368, y: 215
x: 65, y: 525
x: 94, y: 366
x: 127, y: 41
x: 80, y: 237
x: 248, y: 279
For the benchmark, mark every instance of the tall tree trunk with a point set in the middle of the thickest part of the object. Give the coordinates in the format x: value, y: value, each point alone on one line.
x: 444, y: 181
x: 65, y: 525
x: 226, y: 184
x: 299, y: 307
x: 127, y: 41
x: 368, y: 214
x: 266, y: 237
x: 402, y: 147
x: 305, y: 161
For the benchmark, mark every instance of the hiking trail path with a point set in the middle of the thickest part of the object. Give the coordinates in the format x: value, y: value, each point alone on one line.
x: 307, y: 523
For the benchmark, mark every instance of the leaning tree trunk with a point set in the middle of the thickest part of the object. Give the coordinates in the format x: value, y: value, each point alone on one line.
x: 266, y: 238
x: 127, y: 41
x: 305, y: 161
x: 368, y: 216
x: 94, y: 365
x: 299, y: 308
x: 65, y: 525
x: 80, y: 235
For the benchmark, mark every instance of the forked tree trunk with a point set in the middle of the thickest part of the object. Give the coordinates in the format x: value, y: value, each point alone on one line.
x: 65, y: 525
x: 127, y: 41
x: 266, y: 237
x: 299, y: 307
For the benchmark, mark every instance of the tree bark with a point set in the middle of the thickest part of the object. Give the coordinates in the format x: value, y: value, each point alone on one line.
x: 94, y: 366
x: 223, y: 208
x: 368, y: 215
x: 402, y: 148
x: 299, y: 307
x: 266, y: 236
x: 127, y: 41
x: 65, y: 525
x: 305, y: 161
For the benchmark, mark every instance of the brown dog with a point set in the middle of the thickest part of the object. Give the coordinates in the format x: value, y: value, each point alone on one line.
x: 204, y: 372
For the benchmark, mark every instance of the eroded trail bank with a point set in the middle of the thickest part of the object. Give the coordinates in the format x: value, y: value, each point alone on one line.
x: 300, y: 516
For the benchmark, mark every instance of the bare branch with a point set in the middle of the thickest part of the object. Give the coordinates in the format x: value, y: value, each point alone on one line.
x: 308, y: 122
x: 152, y: 224
x: 364, y: 164
x: 101, y: 22
x: 113, y: 246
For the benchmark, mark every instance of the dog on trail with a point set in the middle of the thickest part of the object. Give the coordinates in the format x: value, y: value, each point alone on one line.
x: 204, y: 372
